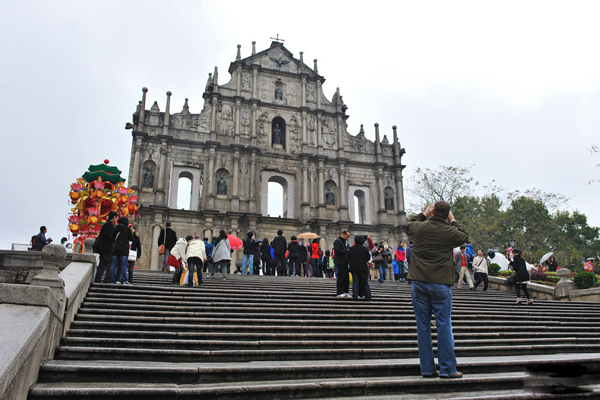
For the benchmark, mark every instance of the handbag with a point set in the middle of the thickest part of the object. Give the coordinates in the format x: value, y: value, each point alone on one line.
x: 132, y: 255
x: 510, y: 281
x: 378, y: 259
x: 173, y: 262
x: 161, y: 249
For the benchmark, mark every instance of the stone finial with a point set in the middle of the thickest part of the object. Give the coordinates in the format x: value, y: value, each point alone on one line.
x: 88, y: 245
x: 565, y: 285
x: 186, y: 107
x: 144, y: 89
x: 301, y: 56
x: 239, y: 54
x: 316, y: 68
x: 52, y: 255
x: 155, y: 107
x: 253, y: 48
x: 216, y: 76
x: 169, y: 93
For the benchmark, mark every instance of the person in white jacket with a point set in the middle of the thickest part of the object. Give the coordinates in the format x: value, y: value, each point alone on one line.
x: 222, y: 253
x: 480, y: 265
x: 178, y: 251
x: 196, y: 255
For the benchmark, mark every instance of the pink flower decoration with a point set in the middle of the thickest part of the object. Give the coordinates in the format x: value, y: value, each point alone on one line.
x: 74, y: 219
x: 92, y: 211
x: 99, y: 185
x: 133, y: 199
x: 76, y: 187
x: 122, y: 190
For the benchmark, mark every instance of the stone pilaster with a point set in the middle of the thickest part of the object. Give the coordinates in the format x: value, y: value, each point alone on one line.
x: 135, y: 179
x: 252, y: 184
x: 235, y: 197
x: 160, y: 192
x: 141, y: 122
x: 167, y: 115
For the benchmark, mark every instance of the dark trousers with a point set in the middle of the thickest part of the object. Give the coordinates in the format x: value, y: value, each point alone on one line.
x: 194, y: 262
x: 315, y: 267
x: 360, y: 285
x: 479, y: 277
x: 280, y: 264
x: 293, y: 267
x: 177, y: 275
x: 103, y: 268
x: 519, y: 286
x: 343, y: 280
x: 130, y: 265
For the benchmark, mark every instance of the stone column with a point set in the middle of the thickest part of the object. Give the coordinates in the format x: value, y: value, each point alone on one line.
x: 252, y: 183
x: 305, y: 200
x: 142, y: 110
x: 303, y: 92
x: 210, y: 186
x: 167, y: 115
x: 253, y: 123
x: 381, y: 197
x: 343, y: 193
x: 238, y: 84
x: 319, y: 142
x: 135, y: 179
x: 340, y: 141
x: 399, y: 192
x: 235, y: 198
x: 52, y: 255
x: 318, y: 94
x: 254, y: 78
x: 304, y: 133
x: 154, y: 257
x: 321, y: 191
x: 213, y: 118
x: 160, y: 192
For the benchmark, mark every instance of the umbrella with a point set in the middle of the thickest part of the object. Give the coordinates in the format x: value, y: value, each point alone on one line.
x: 235, y: 242
x: 308, y: 235
x: 545, y: 257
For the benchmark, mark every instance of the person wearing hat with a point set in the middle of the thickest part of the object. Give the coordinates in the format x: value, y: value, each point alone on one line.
x: 168, y: 237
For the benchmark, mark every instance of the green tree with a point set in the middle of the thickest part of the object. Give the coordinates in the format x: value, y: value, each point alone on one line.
x: 530, y: 223
x: 482, y: 218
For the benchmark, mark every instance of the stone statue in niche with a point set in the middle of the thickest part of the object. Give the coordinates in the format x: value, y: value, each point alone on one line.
x: 221, y: 186
x: 277, y: 139
x: 329, y: 197
x: 148, y: 178
x: 389, y: 202
x: 278, y: 94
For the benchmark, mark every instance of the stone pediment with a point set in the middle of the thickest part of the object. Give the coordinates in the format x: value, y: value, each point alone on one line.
x: 278, y: 58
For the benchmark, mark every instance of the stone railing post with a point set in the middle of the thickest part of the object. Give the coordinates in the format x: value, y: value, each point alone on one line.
x: 52, y: 255
x: 565, y: 285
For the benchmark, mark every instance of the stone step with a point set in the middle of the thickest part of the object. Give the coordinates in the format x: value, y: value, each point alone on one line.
x: 246, y: 355
x: 180, y: 373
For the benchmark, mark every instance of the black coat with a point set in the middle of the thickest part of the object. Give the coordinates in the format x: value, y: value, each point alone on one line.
x: 121, y: 237
x: 136, y: 245
x: 341, y: 252
x: 520, y: 268
x: 265, y: 252
x: 302, y: 252
x: 248, y: 244
x: 105, y: 238
x: 358, y: 257
x: 279, y: 245
x: 171, y: 238
x: 294, y: 250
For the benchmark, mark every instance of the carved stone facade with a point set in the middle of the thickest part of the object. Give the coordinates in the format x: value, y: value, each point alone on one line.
x: 270, y: 123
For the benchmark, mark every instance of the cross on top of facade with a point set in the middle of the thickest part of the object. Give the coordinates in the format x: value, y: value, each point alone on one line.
x: 277, y: 39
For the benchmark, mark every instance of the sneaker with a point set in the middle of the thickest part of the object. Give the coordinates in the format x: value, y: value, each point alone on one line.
x: 118, y: 283
x: 455, y: 376
x: 127, y: 283
x: 347, y: 295
x: 341, y: 295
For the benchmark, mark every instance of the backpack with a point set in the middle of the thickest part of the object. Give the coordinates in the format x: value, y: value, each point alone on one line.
x: 34, y: 242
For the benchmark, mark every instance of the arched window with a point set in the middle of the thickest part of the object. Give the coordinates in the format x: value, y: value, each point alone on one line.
x: 359, y: 207
x: 184, y: 191
x: 275, y: 199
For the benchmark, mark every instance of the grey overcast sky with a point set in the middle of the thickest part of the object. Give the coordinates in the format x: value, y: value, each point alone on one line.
x: 510, y: 87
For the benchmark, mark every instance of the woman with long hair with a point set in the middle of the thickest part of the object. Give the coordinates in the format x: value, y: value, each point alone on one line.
x: 222, y: 252
x: 521, y: 275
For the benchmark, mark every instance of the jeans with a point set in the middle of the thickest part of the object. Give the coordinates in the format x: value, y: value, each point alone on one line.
x: 481, y: 277
x: 382, y: 270
x: 315, y: 267
x: 194, y: 262
x: 250, y: 259
x: 165, y: 256
x: 434, y: 298
x: 122, y: 262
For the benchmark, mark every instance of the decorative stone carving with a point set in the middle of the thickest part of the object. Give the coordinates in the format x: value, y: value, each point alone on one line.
x: 389, y: 202
x: 148, y: 178
x: 329, y: 197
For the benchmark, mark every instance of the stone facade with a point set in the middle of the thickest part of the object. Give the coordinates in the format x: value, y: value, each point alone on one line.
x: 270, y: 123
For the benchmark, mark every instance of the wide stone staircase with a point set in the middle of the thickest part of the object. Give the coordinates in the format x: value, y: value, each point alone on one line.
x: 256, y: 337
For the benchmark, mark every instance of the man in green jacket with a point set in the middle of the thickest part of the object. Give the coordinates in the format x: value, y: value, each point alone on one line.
x: 434, y: 233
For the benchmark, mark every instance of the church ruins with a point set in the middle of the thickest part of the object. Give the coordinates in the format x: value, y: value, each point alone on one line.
x: 270, y: 123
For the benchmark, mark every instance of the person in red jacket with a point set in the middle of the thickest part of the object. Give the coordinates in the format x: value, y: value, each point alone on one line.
x: 315, y: 253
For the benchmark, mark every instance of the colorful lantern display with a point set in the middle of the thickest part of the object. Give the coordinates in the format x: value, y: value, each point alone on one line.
x: 99, y: 191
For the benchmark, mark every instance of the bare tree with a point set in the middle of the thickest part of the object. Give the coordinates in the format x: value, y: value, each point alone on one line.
x: 443, y: 184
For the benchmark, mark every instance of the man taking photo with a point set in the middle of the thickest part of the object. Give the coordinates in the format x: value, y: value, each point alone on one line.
x: 434, y: 233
